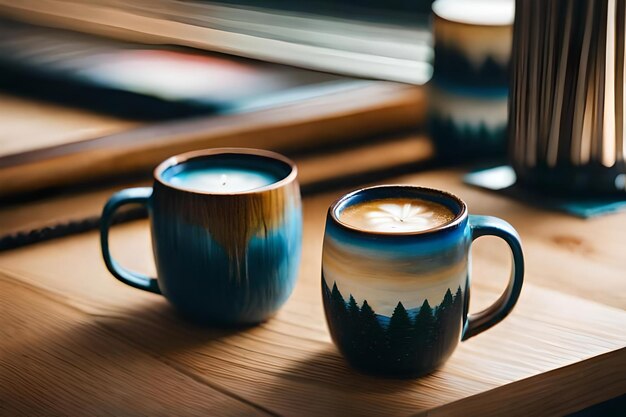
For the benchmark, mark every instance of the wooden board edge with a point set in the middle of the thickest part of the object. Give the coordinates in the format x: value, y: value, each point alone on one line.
x: 374, y: 109
x: 557, y: 392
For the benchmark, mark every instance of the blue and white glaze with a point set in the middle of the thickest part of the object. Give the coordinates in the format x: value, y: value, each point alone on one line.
x: 388, y: 269
x: 396, y: 304
x: 227, y: 280
x: 224, y: 258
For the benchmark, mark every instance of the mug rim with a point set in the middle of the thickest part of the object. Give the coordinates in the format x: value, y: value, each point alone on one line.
x: 458, y: 218
x: 474, y: 25
x: 198, y: 154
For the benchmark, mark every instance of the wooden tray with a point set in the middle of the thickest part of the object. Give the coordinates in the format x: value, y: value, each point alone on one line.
x: 78, y: 342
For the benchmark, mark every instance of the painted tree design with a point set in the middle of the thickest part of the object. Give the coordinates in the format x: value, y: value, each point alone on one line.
x: 372, y: 335
x: 353, y: 328
x: 443, y: 314
x: 416, y: 344
x: 453, y: 66
x: 338, y: 309
x: 400, y: 336
x: 458, y: 302
x: 353, y: 311
x: 454, y: 139
x: 424, y: 331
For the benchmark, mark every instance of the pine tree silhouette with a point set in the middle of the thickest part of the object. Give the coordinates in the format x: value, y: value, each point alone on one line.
x: 493, y: 73
x: 457, y: 317
x: 338, y: 310
x: 369, y: 322
x: 372, y: 338
x: 338, y: 299
x: 452, y: 66
x: 399, y: 336
x: 447, y: 301
x: 325, y: 289
x: 423, y: 336
x: 424, y: 326
x: 353, y: 310
x: 400, y: 319
x: 442, y: 321
x: 353, y: 325
x: 458, y: 301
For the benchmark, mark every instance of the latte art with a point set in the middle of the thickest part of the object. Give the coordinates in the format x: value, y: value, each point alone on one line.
x: 397, y: 215
x: 394, y: 216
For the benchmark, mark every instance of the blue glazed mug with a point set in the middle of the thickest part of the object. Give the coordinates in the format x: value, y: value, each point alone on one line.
x: 226, y: 229
x: 396, y: 301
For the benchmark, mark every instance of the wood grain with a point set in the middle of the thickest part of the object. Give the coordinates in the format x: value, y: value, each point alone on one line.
x: 370, y: 109
x: 28, y: 125
x: 56, y: 361
x: 560, y: 341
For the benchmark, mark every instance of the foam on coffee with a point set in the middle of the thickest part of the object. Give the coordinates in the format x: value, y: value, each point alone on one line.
x: 396, y: 215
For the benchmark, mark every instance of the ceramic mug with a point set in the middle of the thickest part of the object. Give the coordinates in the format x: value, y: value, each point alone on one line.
x: 397, y: 303
x: 221, y: 257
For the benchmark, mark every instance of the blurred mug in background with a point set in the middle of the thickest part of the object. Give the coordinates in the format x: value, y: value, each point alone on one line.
x: 469, y: 89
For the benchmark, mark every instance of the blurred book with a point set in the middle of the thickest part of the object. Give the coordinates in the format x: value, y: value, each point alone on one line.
x: 383, y: 40
x: 138, y: 81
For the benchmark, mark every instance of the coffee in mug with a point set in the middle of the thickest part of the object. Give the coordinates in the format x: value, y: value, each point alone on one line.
x: 395, y: 277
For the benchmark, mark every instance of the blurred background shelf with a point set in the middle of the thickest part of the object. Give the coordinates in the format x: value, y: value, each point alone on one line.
x: 353, y: 38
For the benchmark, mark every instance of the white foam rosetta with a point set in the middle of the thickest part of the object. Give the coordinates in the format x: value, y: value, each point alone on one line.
x: 396, y: 217
x: 403, y: 217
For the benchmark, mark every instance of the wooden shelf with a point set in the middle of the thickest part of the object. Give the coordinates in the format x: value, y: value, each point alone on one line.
x: 370, y: 108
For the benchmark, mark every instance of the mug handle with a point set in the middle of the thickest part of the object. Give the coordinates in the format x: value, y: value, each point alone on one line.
x: 140, y: 195
x: 492, y: 315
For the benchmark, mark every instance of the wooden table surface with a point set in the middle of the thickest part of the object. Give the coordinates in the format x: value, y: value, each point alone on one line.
x: 74, y: 341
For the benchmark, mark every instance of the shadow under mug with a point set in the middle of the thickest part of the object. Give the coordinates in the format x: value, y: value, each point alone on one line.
x: 397, y: 303
x: 221, y: 257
